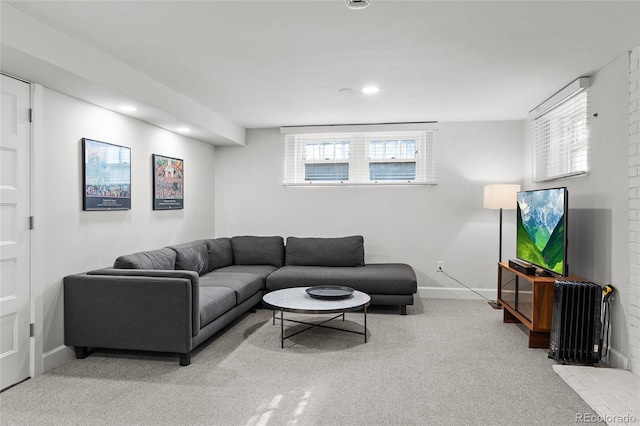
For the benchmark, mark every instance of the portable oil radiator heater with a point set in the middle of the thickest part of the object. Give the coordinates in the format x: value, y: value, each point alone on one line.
x: 577, y: 322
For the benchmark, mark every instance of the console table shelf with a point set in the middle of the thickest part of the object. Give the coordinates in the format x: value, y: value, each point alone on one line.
x: 527, y: 299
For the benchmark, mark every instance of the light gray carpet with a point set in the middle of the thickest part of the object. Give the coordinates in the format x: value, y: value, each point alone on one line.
x: 446, y: 363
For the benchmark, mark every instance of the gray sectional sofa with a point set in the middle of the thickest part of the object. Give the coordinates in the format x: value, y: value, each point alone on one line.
x: 174, y: 298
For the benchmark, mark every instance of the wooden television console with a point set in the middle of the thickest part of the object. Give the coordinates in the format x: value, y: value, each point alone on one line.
x: 527, y: 299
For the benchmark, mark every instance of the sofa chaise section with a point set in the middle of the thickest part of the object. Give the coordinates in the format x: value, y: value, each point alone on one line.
x: 385, y: 283
x: 340, y: 261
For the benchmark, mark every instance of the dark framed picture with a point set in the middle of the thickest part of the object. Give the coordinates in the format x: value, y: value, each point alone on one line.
x: 168, y: 183
x: 106, y: 176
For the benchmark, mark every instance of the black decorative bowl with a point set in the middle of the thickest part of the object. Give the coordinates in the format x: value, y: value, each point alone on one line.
x: 330, y: 292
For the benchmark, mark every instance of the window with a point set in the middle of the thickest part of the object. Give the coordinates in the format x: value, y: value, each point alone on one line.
x: 359, y: 157
x: 392, y: 159
x: 326, y: 160
x: 559, y: 131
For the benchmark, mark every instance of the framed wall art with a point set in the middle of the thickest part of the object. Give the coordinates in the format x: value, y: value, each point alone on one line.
x: 168, y: 183
x: 106, y: 176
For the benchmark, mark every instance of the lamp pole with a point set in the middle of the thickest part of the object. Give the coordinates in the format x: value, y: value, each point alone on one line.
x: 500, y: 242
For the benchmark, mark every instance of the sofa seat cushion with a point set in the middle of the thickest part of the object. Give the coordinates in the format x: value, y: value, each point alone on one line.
x: 244, y: 285
x: 376, y: 278
x: 261, y: 270
x: 215, y: 301
x: 162, y: 259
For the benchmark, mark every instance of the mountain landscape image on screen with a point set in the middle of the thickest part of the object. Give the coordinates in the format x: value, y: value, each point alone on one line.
x: 540, y: 228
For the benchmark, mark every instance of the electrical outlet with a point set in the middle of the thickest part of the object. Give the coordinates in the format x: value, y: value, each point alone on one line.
x: 439, y: 265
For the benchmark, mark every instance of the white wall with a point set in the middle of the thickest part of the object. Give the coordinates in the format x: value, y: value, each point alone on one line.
x: 418, y: 225
x: 598, y: 220
x: 72, y: 240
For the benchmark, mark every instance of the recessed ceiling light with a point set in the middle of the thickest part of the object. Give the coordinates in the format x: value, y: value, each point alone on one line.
x: 370, y: 90
x: 184, y: 129
x: 357, y: 4
x: 127, y: 108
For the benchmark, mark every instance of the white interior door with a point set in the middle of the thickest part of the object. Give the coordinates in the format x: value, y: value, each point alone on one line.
x: 15, y: 282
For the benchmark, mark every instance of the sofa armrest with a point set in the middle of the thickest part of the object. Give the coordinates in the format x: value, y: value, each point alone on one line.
x: 192, y: 276
x: 134, y: 311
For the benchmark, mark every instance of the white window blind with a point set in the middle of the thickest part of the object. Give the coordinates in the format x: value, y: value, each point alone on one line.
x: 560, y: 134
x: 360, y: 158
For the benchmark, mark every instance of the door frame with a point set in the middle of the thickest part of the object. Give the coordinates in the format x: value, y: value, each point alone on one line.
x: 37, y: 234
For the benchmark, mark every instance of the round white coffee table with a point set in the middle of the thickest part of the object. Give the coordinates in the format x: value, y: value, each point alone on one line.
x: 296, y: 300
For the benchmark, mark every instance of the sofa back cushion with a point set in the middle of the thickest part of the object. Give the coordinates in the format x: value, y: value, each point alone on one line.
x: 162, y: 259
x: 343, y: 251
x: 220, y: 253
x: 192, y: 256
x: 251, y: 250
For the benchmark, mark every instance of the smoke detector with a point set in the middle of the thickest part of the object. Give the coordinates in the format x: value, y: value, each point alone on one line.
x: 357, y: 4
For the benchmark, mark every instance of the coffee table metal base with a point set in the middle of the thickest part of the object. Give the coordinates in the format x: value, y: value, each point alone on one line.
x: 314, y: 325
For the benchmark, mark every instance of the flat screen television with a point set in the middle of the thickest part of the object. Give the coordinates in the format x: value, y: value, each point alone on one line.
x: 541, y: 237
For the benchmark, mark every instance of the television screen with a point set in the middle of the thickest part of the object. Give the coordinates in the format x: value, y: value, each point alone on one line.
x: 541, y: 237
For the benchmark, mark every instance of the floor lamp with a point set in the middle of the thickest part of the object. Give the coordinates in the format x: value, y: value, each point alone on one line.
x: 500, y: 196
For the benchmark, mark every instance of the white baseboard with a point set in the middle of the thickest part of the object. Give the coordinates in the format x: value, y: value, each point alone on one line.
x: 56, y: 357
x: 617, y: 360
x: 455, y: 293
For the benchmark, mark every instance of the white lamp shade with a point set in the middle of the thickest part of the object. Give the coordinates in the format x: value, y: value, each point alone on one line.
x: 500, y: 196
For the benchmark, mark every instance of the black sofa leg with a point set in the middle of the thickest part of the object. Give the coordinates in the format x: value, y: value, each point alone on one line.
x: 82, y: 352
x: 403, y: 309
x: 185, y: 359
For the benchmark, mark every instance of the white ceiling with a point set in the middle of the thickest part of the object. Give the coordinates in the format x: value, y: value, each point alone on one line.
x: 225, y: 66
